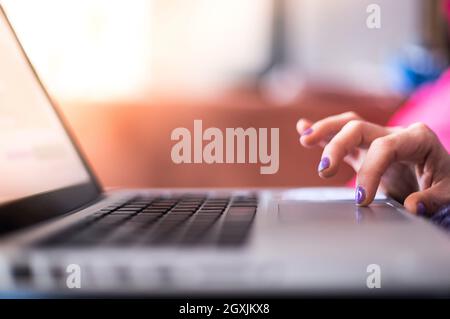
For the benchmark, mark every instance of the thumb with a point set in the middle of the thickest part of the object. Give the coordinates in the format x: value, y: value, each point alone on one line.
x: 428, y: 201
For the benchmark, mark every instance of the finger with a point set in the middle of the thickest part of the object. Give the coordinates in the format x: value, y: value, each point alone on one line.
x: 323, y: 129
x: 304, y: 129
x: 354, y: 134
x: 303, y: 125
x: 427, y: 202
x: 414, y: 145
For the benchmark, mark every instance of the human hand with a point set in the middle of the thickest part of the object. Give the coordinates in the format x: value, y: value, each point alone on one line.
x: 409, y: 164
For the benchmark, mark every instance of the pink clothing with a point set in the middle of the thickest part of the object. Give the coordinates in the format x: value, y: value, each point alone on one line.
x: 446, y: 7
x: 430, y: 104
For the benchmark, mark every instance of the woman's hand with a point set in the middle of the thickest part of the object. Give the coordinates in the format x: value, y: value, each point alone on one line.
x: 409, y: 164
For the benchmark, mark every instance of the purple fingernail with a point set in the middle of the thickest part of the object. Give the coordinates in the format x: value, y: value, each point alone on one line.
x: 421, y: 209
x: 360, y: 195
x: 307, y: 131
x: 324, y: 164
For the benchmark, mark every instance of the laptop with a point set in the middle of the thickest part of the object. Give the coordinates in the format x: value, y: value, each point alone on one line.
x: 61, y: 233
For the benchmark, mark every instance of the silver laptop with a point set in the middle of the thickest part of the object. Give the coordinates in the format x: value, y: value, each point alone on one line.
x: 60, y: 233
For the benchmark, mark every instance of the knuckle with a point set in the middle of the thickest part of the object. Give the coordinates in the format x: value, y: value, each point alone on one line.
x: 352, y: 115
x: 420, y: 128
x: 354, y: 125
x: 423, y: 132
x: 384, y: 143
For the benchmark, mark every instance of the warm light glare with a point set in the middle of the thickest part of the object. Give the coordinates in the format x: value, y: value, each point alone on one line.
x: 91, y: 49
x: 109, y: 49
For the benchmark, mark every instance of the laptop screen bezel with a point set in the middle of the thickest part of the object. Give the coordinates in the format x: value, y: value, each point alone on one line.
x: 33, y: 209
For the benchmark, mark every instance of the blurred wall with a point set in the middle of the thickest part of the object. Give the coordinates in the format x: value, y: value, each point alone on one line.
x: 129, y: 144
x: 110, y: 49
x: 330, y: 41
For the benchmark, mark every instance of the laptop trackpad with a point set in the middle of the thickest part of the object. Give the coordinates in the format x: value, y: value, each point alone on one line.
x: 291, y: 211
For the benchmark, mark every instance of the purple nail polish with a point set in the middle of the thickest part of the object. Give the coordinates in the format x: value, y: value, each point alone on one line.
x: 324, y: 164
x: 307, y: 131
x: 421, y: 209
x: 360, y: 195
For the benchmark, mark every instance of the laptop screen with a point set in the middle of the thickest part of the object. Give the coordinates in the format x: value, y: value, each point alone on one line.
x: 42, y: 174
x: 36, y: 155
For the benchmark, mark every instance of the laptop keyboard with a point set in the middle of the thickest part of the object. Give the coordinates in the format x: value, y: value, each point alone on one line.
x: 149, y: 221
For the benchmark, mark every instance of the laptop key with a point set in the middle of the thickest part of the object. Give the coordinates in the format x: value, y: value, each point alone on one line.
x: 144, y: 218
x: 153, y: 211
x: 239, y: 211
x: 112, y: 219
x: 124, y: 213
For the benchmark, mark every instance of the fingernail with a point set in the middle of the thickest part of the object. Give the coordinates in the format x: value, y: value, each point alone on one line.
x: 307, y: 131
x: 360, y: 195
x: 421, y: 209
x: 324, y: 164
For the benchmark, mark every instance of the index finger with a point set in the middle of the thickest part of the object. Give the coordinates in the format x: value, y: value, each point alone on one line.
x: 323, y: 129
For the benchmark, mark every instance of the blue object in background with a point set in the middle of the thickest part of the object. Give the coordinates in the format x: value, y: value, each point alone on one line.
x: 414, y: 67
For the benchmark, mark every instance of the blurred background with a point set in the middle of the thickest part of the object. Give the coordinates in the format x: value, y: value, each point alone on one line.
x: 126, y: 73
